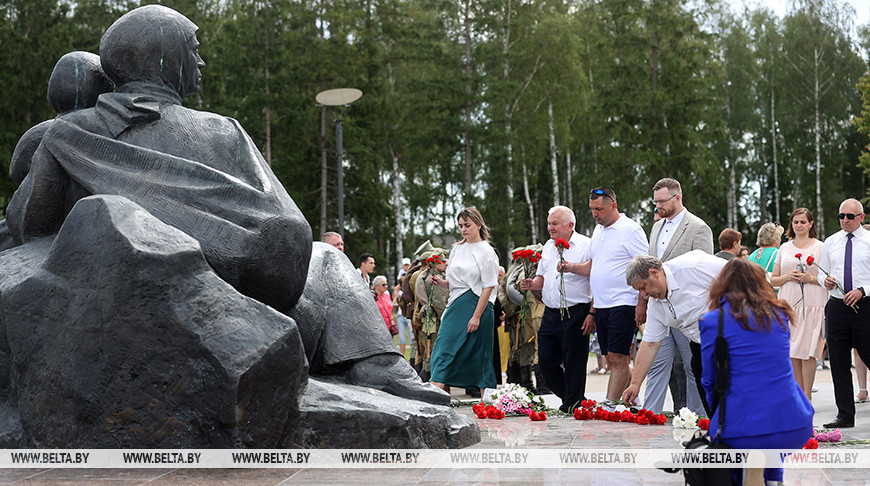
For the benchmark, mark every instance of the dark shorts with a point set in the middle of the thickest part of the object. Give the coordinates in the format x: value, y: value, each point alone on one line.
x: 616, y: 329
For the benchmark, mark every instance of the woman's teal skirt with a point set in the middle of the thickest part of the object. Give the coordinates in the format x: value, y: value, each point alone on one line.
x: 460, y: 358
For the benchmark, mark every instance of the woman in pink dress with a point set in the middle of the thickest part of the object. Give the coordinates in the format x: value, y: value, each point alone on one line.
x: 799, y: 287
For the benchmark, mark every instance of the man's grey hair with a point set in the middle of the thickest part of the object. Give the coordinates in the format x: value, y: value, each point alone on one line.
x: 565, y: 210
x: 379, y: 280
x: 639, y: 266
x: 329, y: 234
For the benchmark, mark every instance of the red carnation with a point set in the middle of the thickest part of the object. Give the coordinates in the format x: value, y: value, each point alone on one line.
x: 562, y: 244
x: 642, y: 420
x: 798, y: 255
x: 810, y: 260
x: 811, y: 444
x: 704, y: 424
x: 661, y: 419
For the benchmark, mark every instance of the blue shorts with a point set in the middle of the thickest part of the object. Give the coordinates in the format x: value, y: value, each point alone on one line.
x: 616, y: 329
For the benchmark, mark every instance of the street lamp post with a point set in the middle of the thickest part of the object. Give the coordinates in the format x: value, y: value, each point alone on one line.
x: 339, y: 97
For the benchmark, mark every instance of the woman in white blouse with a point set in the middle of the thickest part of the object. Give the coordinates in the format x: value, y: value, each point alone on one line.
x: 462, y: 355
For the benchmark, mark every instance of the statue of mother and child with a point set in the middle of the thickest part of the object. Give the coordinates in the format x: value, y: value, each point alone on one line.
x: 161, y: 288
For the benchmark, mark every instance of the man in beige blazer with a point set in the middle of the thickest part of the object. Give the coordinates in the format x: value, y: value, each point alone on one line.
x: 677, y: 232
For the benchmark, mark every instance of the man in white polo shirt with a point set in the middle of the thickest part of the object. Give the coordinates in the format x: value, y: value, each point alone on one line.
x: 679, y: 293
x: 616, y: 239
x: 563, y: 339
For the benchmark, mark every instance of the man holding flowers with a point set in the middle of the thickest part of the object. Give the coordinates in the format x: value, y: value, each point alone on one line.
x: 563, y: 339
x: 844, y: 269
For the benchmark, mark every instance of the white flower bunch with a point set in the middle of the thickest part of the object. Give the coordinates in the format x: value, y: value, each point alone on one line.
x: 687, y: 419
x: 511, y: 398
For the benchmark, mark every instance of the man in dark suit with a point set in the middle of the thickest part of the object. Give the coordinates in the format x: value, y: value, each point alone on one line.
x: 677, y: 232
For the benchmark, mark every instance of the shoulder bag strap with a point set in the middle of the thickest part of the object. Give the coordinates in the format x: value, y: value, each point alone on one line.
x: 720, y: 355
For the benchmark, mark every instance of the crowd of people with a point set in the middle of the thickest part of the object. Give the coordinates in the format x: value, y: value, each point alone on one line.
x: 784, y: 305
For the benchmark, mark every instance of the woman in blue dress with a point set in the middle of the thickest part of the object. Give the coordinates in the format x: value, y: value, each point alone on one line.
x: 765, y: 407
x: 462, y: 355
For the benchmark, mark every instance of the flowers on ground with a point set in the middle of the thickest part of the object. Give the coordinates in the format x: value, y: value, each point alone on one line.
x: 830, y: 437
x: 811, y: 444
x: 513, y: 398
x: 687, y: 419
x: 484, y: 411
x: 589, y: 410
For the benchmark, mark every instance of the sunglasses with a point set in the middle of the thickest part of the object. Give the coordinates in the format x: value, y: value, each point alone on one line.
x: 594, y: 193
x: 848, y: 215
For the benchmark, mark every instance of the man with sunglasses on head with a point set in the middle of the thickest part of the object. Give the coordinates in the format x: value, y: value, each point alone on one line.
x: 845, y: 260
x: 615, y: 241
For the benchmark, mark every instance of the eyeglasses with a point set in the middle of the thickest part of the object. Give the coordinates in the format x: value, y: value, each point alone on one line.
x: 659, y: 203
x: 594, y: 193
x: 848, y: 215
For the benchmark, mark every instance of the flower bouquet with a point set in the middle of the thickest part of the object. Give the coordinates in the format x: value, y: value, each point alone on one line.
x: 433, y: 262
x: 803, y: 268
x: 589, y: 410
x: 528, y: 258
x: 561, y: 246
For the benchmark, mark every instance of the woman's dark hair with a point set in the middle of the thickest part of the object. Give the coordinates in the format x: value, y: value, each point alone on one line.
x: 789, y: 233
x: 744, y: 286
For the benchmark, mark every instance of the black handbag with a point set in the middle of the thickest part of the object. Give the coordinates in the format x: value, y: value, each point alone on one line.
x: 712, y: 476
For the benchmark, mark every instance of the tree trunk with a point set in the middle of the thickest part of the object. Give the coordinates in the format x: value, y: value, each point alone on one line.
x: 820, y: 217
x: 554, y: 168
x: 569, y: 191
x: 775, y: 162
x: 529, y: 204
x: 397, y: 209
x: 468, y: 180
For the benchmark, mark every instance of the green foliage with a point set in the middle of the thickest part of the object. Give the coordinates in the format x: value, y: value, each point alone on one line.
x: 640, y: 89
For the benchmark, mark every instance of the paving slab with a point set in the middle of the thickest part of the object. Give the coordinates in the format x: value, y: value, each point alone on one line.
x: 558, y: 432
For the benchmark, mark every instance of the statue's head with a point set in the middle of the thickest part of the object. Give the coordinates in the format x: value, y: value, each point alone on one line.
x: 153, y: 44
x: 76, y: 82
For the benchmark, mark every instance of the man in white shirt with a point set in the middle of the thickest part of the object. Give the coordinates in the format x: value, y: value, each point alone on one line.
x: 846, y: 259
x: 616, y: 239
x: 366, y: 267
x: 676, y: 233
x: 563, y: 339
x: 679, y: 294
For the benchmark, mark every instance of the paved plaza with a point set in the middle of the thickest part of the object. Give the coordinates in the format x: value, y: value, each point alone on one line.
x: 558, y: 432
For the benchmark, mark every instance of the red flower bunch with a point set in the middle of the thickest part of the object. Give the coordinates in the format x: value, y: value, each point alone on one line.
x: 434, y: 260
x: 537, y: 416
x: 583, y: 413
x: 562, y: 244
x: 704, y: 424
x: 487, y: 411
x: 811, y: 444
x: 529, y: 255
x: 589, y: 411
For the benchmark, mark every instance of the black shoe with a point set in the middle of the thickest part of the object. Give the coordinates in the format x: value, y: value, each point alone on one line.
x: 473, y: 392
x: 839, y: 424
